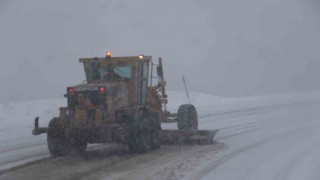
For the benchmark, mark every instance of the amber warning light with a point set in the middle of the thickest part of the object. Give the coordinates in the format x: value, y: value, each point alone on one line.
x: 108, y: 54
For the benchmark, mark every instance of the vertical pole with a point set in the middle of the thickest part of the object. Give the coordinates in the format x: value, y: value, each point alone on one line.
x: 151, y: 76
x: 185, y: 87
x: 36, y: 123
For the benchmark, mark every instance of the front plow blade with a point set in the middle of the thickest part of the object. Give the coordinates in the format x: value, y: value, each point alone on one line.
x: 187, y: 136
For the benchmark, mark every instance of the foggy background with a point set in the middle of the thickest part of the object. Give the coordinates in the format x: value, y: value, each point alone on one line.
x: 225, y: 48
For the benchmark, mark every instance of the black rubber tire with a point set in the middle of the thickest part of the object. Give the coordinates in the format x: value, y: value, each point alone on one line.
x: 77, y: 142
x: 155, y: 126
x: 187, y: 118
x: 60, y: 145
x: 144, y: 133
x: 139, y: 135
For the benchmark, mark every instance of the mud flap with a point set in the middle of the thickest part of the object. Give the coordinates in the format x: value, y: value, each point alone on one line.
x: 187, y: 136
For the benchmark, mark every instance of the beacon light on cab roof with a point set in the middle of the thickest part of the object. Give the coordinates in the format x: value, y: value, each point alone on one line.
x: 108, y: 54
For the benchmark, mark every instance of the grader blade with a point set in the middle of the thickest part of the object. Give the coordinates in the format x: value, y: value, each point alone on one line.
x: 187, y: 136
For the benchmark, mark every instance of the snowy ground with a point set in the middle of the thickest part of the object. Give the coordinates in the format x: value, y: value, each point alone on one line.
x: 274, y: 137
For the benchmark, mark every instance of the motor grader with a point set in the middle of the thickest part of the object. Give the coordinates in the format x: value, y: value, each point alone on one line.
x: 119, y: 103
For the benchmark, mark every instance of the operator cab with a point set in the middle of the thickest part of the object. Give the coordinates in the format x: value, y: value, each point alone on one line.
x: 123, y: 79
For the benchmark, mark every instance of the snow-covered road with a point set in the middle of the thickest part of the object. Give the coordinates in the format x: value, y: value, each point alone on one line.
x: 282, y: 144
x: 274, y: 137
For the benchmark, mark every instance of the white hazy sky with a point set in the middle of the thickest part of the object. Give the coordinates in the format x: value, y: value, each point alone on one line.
x: 226, y: 48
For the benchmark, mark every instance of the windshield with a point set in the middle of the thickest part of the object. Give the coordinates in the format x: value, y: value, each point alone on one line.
x: 107, y: 72
x: 115, y: 71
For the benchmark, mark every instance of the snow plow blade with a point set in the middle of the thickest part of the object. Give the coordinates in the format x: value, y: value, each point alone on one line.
x: 187, y: 136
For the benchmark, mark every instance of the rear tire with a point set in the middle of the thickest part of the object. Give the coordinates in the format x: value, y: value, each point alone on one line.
x: 144, y: 133
x: 155, y: 126
x: 60, y: 145
x: 187, y: 118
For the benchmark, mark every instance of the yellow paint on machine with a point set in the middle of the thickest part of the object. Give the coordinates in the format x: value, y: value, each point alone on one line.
x: 81, y: 116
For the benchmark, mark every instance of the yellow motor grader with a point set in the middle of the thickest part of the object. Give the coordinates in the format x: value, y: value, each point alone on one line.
x: 119, y: 103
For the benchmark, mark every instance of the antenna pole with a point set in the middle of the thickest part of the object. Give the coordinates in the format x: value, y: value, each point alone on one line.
x: 151, y: 74
x: 185, y: 87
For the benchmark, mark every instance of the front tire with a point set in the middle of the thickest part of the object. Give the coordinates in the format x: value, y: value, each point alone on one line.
x: 61, y: 145
x: 187, y: 118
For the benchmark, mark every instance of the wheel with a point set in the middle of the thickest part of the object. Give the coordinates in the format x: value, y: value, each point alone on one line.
x: 61, y: 145
x: 139, y: 135
x: 187, y: 117
x: 155, y: 126
x: 77, y: 142
x: 144, y: 133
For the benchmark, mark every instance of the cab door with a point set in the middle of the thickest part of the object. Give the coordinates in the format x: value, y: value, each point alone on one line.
x: 144, y: 74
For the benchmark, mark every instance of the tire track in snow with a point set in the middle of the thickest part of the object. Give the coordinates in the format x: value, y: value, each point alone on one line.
x: 26, y: 158
x: 285, y: 172
x: 209, y: 167
x: 21, y: 146
x: 27, y: 164
x: 22, y: 157
x: 97, y: 165
x: 174, y: 160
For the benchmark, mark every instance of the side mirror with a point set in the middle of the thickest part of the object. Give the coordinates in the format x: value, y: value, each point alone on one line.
x: 159, y: 71
x: 159, y: 68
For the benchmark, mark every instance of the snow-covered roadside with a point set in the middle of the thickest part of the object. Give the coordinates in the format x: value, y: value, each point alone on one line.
x: 17, y: 144
x: 221, y: 104
x: 276, y: 142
